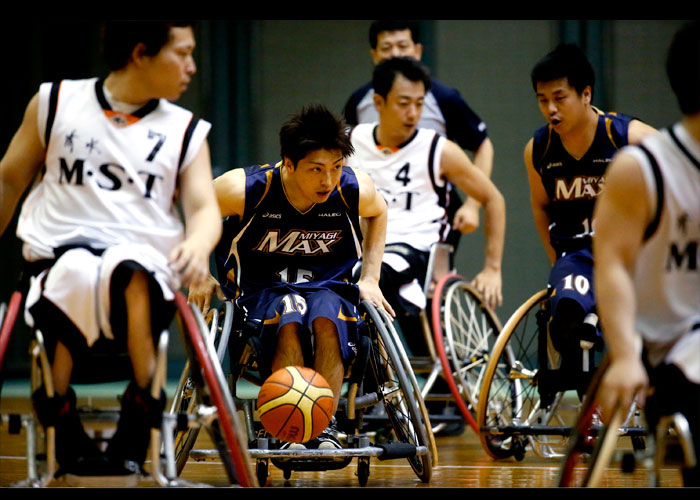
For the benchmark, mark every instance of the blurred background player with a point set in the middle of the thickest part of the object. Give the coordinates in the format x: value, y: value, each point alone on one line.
x: 444, y: 110
x: 411, y: 167
x: 566, y: 162
x: 647, y: 249
x: 104, y: 243
x: 291, y: 239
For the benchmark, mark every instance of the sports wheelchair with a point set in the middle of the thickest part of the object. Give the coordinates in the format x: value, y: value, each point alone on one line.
x: 212, y: 408
x: 381, y: 413
x: 593, y: 447
x: 526, y: 402
x: 460, y: 331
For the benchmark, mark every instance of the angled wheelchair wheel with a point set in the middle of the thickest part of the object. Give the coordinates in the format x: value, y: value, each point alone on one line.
x: 516, y: 409
x: 211, y: 391
x: 592, y: 445
x: 8, y: 318
x: 184, y: 400
x: 466, y: 330
x: 413, y: 383
x: 399, y: 395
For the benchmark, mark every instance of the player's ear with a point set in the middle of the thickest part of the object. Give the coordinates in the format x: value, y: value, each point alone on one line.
x: 378, y: 101
x: 138, y: 54
x: 418, y: 51
x: 587, y: 94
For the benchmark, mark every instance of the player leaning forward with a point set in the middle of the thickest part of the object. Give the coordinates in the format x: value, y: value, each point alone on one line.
x: 102, y: 237
x: 291, y: 239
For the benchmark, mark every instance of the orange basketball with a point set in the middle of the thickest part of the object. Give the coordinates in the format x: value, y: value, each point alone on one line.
x: 295, y: 404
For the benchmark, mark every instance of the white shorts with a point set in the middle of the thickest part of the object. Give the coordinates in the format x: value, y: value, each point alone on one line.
x: 79, y: 282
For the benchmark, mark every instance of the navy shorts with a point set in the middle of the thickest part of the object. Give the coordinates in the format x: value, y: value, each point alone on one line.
x: 275, y: 308
x: 572, y: 277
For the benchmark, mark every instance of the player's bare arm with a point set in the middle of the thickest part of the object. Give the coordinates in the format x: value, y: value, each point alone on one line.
x: 202, y: 220
x: 21, y: 162
x: 456, y: 167
x: 229, y: 189
x: 466, y: 219
x: 373, y: 210
x: 623, y: 210
x: 637, y: 130
x: 539, y: 201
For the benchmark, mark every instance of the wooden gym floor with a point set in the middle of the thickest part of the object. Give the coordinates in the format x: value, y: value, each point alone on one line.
x: 461, y: 464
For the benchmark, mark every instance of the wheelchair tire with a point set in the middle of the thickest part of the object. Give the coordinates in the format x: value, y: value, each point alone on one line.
x: 509, y: 391
x: 465, y: 329
x: 588, y: 446
x: 185, y: 398
x: 399, y: 397
x: 211, y: 389
x: 7, y: 323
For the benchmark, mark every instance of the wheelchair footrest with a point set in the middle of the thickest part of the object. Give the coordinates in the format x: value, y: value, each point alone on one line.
x: 382, y: 452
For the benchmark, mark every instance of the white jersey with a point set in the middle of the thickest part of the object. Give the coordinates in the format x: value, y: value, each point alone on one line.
x: 109, y: 178
x: 409, y: 179
x: 667, y: 279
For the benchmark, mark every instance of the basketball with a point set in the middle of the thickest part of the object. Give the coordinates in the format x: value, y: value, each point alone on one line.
x: 295, y: 404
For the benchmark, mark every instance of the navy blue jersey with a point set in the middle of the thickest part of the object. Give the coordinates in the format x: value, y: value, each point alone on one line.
x: 573, y: 185
x: 274, y: 245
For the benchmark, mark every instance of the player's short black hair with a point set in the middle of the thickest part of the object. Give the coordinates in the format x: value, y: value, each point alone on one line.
x: 385, y: 73
x: 683, y: 67
x: 120, y: 37
x: 382, y: 25
x: 311, y: 129
x: 566, y: 61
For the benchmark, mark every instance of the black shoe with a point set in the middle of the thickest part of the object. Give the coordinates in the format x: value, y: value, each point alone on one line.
x: 100, y: 466
x: 139, y: 414
x: 74, y: 448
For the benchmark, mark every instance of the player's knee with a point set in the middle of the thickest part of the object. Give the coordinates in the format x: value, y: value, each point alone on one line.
x: 565, y: 324
x: 325, y: 334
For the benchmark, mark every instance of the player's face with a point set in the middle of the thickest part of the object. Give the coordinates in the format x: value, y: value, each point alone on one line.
x: 315, y: 176
x: 171, y: 69
x: 400, y: 112
x: 395, y: 44
x: 561, y: 105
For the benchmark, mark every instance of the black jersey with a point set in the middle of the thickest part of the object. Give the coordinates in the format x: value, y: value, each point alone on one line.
x: 274, y: 244
x: 573, y: 185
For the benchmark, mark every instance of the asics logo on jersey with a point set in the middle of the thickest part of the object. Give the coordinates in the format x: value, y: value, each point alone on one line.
x: 296, y: 241
x: 580, y: 187
x: 108, y: 176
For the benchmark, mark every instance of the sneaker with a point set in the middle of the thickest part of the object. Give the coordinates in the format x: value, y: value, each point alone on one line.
x: 328, y: 440
x: 292, y: 446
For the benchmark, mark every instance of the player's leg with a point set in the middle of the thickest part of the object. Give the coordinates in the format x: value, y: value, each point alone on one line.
x: 133, y: 298
x: 401, y: 281
x: 54, y: 306
x: 327, y: 358
x: 573, y: 319
x: 333, y: 322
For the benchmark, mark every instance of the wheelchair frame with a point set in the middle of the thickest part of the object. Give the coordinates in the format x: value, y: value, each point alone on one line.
x: 403, y: 406
x: 213, y: 410
x: 459, y: 336
x: 592, y: 446
x: 510, y: 413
